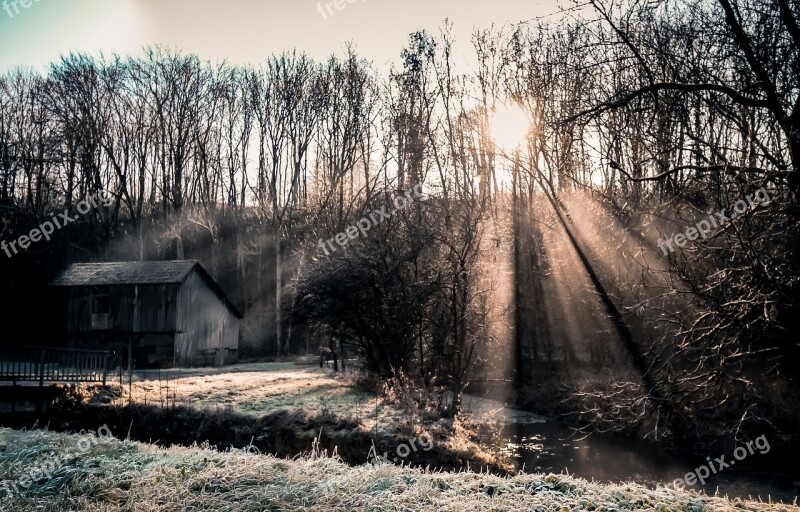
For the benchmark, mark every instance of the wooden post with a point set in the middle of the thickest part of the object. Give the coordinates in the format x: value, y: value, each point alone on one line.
x: 105, y: 368
x: 40, y: 405
x: 130, y: 362
x: 41, y: 369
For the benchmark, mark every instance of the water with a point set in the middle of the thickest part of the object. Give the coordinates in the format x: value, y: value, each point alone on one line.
x: 541, y: 445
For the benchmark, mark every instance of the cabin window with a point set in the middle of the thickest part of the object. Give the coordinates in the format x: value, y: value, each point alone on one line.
x: 101, y: 308
x: 101, y: 300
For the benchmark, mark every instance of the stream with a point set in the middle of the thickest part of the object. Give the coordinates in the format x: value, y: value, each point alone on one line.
x: 542, y: 445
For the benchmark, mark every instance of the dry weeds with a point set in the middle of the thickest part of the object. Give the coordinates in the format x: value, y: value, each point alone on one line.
x: 130, y: 476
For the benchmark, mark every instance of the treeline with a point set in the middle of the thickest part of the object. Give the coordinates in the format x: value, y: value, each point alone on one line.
x: 657, y: 112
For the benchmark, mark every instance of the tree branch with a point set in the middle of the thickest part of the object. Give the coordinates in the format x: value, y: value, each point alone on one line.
x: 700, y: 168
x: 733, y: 94
x: 788, y: 19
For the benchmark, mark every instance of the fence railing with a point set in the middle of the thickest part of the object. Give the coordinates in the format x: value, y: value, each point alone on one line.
x: 56, y: 364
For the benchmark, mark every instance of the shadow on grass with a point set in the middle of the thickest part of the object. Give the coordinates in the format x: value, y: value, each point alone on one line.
x: 284, y: 433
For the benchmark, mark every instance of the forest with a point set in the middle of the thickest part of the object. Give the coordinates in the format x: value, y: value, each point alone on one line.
x: 608, y: 227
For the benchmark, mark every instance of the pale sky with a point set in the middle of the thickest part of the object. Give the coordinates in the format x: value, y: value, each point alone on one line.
x: 240, y: 31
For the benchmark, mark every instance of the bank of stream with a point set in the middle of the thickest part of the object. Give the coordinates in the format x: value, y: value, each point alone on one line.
x: 534, y: 443
x: 285, y: 432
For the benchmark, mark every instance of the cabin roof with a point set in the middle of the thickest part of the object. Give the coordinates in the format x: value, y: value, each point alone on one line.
x: 125, y: 272
x: 137, y: 272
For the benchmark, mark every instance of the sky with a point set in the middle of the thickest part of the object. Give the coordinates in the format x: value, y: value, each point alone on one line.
x: 240, y: 31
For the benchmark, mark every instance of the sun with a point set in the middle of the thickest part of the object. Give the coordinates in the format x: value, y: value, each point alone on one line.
x: 509, y: 126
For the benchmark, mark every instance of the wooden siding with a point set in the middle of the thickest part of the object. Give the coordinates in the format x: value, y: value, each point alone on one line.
x: 156, y: 311
x: 208, y: 331
x: 185, y: 325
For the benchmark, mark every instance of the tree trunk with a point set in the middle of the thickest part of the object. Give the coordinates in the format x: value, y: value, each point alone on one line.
x: 333, y: 353
x: 278, y: 286
x: 793, y: 178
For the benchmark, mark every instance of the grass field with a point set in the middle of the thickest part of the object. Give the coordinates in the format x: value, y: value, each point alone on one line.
x: 126, y: 476
x: 256, y: 389
x: 260, y: 389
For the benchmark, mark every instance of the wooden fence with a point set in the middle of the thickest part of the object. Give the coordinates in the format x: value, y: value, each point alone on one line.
x: 40, y: 364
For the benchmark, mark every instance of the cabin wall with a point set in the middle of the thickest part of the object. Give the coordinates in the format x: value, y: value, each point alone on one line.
x: 208, y: 332
x: 134, y: 309
x: 144, y: 308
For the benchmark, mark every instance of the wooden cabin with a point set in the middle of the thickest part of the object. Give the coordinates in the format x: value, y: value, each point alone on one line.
x: 167, y: 313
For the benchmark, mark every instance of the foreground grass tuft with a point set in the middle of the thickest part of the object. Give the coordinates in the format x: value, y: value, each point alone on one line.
x: 115, y: 475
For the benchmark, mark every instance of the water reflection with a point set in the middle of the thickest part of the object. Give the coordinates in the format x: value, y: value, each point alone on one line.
x: 539, y: 445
